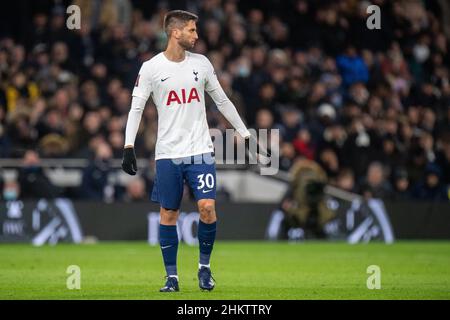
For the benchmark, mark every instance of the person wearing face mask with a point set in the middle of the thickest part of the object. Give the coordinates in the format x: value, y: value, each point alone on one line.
x: 421, y: 51
x: 11, y: 190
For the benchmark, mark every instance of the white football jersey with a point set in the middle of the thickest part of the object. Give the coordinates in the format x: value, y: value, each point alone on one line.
x: 178, y: 91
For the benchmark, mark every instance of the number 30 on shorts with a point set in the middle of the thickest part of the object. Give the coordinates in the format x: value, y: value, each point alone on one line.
x: 207, y: 180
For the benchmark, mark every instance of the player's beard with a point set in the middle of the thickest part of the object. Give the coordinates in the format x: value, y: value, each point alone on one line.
x: 186, y: 44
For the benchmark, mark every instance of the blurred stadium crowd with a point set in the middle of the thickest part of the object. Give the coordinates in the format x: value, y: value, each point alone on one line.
x: 371, y: 107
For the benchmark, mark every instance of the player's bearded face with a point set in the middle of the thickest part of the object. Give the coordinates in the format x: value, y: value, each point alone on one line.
x: 188, y: 36
x: 186, y: 43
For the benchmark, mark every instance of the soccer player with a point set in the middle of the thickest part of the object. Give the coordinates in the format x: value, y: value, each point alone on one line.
x: 177, y: 80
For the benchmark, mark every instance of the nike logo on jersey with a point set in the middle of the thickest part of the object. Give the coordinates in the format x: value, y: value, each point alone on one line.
x: 165, y: 247
x: 162, y: 80
x: 206, y: 191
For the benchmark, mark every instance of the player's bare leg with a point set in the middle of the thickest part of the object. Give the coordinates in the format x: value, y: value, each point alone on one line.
x: 169, y: 217
x: 206, y: 237
x: 169, y: 246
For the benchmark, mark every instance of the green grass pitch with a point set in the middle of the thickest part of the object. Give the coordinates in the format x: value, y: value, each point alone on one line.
x: 243, y: 270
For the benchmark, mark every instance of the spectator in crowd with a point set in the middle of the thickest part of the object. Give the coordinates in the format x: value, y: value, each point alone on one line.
x: 95, y: 184
x: 287, y: 155
x: 264, y: 119
x: 366, y: 95
x: 326, y: 116
x: 345, y: 180
x: 34, y: 183
x: 352, y: 67
x: 291, y: 124
x: 53, y: 146
x: 401, y: 185
x: 11, y: 190
x: 329, y: 161
x: 135, y: 190
x: 376, y: 185
x: 303, y: 144
x: 431, y: 187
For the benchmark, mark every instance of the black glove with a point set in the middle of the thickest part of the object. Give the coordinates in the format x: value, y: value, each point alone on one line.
x: 129, y: 161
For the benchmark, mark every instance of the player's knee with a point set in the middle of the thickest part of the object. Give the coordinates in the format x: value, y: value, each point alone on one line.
x: 207, y: 211
x: 169, y: 217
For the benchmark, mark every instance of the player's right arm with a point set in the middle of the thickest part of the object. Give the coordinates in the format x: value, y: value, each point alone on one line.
x: 141, y: 92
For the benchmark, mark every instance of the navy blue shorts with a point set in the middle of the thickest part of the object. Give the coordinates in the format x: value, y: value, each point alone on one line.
x: 199, y: 172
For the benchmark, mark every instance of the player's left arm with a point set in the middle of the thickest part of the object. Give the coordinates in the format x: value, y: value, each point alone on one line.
x: 227, y: 108
x: 223, y: 103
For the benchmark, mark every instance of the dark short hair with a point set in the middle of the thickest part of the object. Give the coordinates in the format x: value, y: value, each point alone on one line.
x: 177, y: 19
